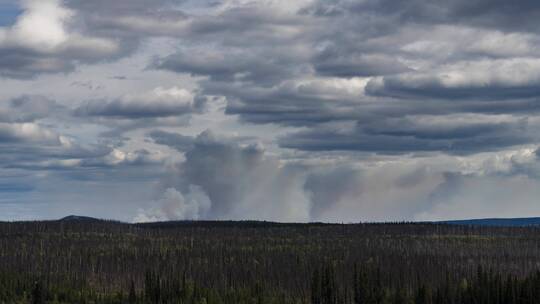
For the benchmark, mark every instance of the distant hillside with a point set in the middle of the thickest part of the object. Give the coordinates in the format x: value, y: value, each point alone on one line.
x: 491, y: 222
x: 502, y: 222
x: 78, y: 218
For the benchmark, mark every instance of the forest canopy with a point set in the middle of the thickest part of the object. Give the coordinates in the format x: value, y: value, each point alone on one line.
x: 85, y: 261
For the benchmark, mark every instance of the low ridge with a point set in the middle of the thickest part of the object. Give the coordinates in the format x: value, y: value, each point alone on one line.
x: 78, y: 218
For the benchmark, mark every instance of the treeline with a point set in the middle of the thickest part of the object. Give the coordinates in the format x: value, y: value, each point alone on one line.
x: 258, y: 262
x: 486, y: 287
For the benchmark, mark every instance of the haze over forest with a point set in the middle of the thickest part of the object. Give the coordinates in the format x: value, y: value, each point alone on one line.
x: 291, y: 111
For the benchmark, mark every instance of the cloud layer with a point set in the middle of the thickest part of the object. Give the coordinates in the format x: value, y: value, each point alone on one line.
x: 278, y: 110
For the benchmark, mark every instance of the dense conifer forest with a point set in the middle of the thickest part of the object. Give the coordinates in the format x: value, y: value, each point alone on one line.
x: 86, y: 261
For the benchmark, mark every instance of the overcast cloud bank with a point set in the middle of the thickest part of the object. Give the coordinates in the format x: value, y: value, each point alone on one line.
x: 276, y: 110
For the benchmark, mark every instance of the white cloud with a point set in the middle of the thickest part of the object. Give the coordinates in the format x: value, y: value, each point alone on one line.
x: 44, y: 39
x: 27, y: 132
x: 43, y: 27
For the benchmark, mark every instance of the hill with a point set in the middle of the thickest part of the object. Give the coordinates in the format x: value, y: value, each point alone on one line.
x: 494, y: 222
x: 78, y: 218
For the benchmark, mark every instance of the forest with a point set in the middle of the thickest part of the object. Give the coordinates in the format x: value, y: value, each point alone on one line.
x: 225, y: 262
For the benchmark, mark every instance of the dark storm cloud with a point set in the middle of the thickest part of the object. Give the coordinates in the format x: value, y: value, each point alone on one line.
x: 28, y: 108
x: 406, y: 136
x: 498, y: 14
x: 104, y: 6
x: 288, y: 113
x: 134, y: 111
x: 432, y: 86
x: 160, y: 102
x: 417, y: 58
x: 334, y: 62
x: 439, y: 130
x: 260, y: 58
x: 174, y: 140
x: 22, y: 63
x: 290, y: 103
x: 143, y: 18
x: 16, y: 153
x: 228, y: 66
x: 128, y: 20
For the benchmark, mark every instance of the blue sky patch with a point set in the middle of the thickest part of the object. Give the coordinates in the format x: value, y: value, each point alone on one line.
x: 8, y: 13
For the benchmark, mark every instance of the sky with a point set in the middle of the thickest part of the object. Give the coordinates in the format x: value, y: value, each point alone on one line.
x: 279, y: 110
